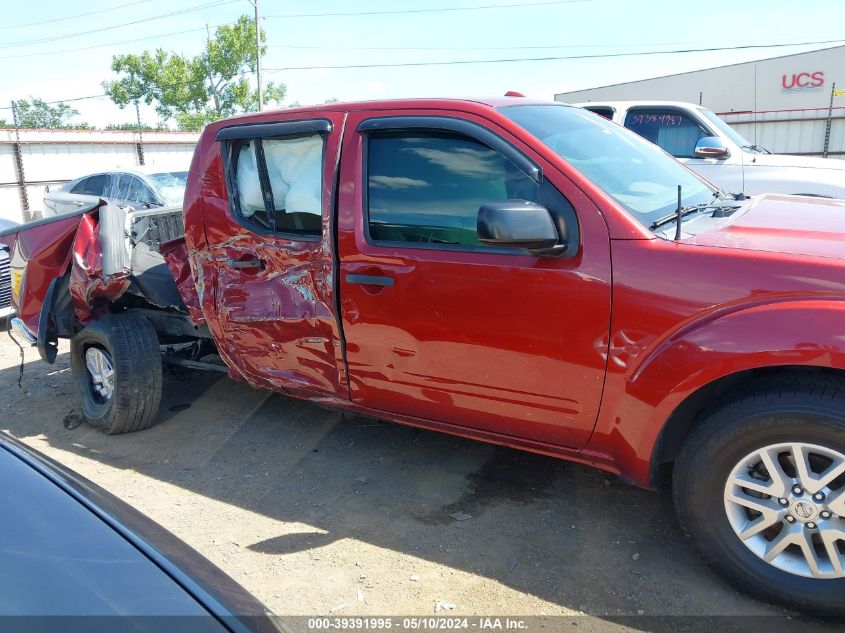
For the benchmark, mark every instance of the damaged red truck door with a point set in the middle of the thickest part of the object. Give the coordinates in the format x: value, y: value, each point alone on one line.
x: 442, y: 327
x: 270, y: 268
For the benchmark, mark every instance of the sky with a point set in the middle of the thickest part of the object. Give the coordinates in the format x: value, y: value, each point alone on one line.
x: 40, y: 43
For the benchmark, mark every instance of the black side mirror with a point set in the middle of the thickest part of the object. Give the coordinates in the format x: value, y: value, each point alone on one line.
x: 519, y: 223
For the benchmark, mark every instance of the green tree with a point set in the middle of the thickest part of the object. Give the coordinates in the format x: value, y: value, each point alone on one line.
x: 35, y: 113
x: 197, y: 90
x: 133, y: 127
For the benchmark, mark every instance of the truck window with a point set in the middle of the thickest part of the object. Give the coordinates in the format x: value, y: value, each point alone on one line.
x: 278, y: 183
x: 671, y: 130
x: 427, y: 187
x: 604, y: 111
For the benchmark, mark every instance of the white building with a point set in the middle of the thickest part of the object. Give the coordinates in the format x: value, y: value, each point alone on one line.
x: 781, y: 103
x: 32, y: 159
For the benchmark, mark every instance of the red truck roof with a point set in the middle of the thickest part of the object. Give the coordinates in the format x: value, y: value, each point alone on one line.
x: 403, y: 104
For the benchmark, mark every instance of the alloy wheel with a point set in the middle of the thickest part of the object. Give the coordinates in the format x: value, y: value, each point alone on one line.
x: 101, y: 373
x: 786, y: 503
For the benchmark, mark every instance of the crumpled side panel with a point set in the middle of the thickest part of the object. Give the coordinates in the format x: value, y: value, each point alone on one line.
x: 92, y: 291
x: 274, y: 328
x: 175, y: 253
x: 274, y: 322
x: 41, y: 251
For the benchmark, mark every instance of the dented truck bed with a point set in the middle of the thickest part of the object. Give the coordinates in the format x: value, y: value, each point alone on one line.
x: 69, y: 269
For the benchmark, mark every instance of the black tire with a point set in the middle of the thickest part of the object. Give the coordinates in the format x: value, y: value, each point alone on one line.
x: 132, y: 345
x: 810, y: 409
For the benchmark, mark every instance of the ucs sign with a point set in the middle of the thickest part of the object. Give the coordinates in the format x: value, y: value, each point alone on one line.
x: 802, y: 81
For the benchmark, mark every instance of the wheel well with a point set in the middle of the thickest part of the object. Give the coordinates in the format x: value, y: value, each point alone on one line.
x: 691, y: 412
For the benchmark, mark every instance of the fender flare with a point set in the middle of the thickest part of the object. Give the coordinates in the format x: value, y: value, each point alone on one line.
x: 788, y: 332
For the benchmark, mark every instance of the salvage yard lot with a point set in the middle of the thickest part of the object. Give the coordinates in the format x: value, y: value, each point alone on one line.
x: 315, y: 513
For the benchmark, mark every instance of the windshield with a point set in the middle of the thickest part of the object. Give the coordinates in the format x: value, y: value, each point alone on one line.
x: 744, y: 144
x: 170, y: 186
x: 637, y: 174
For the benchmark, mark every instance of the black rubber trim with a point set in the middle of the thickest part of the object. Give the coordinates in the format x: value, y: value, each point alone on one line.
x: 48, y: 337
x: 333, y: 248
x: 369, y: 280
x: 280, y: 128
x: 461, y: 126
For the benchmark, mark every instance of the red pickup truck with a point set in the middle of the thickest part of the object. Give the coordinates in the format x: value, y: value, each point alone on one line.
x: 518, y: 272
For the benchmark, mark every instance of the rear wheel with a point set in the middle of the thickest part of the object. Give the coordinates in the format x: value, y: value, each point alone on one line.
x: 760, y: 489
x: 116, y: 363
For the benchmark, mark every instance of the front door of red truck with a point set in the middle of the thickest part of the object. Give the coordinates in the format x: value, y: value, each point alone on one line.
x: 443, y: 328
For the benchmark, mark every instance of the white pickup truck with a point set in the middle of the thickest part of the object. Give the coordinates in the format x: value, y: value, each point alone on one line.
x: 709, y: 146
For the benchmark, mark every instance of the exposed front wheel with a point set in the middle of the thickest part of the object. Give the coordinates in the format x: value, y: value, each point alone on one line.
x: 760, y: 489
x: 116, y: 364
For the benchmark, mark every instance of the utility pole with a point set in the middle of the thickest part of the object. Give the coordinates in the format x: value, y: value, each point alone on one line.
x: 18, y: 157
x: 258, y: 56
x: 829, y: 121
x: 833, y: 93
x: 140, y: 146
x: 211, y: 85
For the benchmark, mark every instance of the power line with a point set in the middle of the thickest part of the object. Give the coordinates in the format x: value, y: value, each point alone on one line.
x: 206, y: 5
x: 470, y: 48
x: 436, y: 10
x: 63, y: 101
x: 455, y: 62
x: 497, y: 61
x: 73, y: 17
x: 85, y: 48
x: 100, y: 96
x: 311, y: 47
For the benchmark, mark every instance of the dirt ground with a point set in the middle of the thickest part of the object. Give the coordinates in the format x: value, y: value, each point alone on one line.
x: 318, y: 514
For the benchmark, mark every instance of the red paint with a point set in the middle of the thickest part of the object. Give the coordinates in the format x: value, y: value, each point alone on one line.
x: 722, y: 114
x: 175, y: 253
x: 583, y: 358
x: 44, y: 250
x: 91, y: 292
x: 803, y: 80
x: 54, y: 249
x: 472, y: 336
x: 274, y: 327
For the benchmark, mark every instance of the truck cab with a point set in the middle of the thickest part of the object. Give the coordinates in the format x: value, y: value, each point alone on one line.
x: 709, y: 146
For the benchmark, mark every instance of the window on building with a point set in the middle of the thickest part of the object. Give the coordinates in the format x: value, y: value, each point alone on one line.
x: 278, y: 183
x: 671, y: 130
x: 427, y: 187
